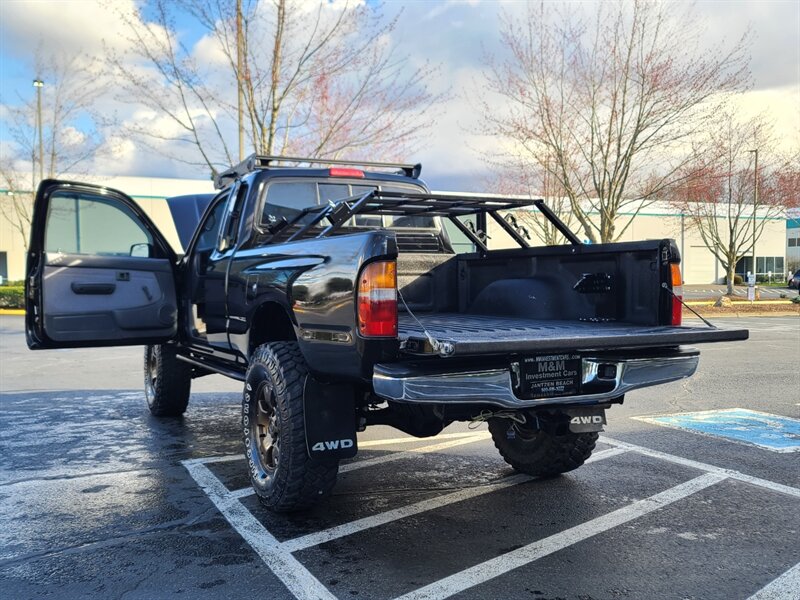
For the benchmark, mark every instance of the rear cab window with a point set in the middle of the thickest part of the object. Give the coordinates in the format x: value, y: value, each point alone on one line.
x: 286, y: 199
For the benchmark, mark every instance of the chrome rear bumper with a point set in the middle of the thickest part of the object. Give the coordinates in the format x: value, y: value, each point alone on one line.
x: 494, y: 386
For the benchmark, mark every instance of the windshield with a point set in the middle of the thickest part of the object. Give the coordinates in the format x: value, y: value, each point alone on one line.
x: 288, y: 198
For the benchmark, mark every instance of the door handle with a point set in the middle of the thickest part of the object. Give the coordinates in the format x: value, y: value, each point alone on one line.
x: 103, y: 289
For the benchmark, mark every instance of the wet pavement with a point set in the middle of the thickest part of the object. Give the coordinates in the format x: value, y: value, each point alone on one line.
x: 100, y: 500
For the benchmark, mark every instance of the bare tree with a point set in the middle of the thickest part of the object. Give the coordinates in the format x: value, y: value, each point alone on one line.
x: 611, y: 103
x: 70, y: 142
x: 535, y: 182
x: 719, y: 197
x: 318, y: 79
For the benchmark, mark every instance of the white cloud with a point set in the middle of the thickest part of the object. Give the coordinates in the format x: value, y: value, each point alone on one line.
x: 454, y: 35
x: 68, y: 27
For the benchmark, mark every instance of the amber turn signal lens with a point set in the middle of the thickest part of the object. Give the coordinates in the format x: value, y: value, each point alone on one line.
x: 377, y: 300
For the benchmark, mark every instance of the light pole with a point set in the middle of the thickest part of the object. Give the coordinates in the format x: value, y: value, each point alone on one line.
x: 755, y: 204
x: 239, y: 84
x: 39, y: 84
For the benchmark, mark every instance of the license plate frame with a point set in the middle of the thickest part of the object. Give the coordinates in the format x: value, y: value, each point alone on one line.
x: 547, y: 375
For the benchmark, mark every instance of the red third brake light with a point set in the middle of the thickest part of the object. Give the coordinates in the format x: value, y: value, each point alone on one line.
x: 339, y: 172
x: 377, y: 299
x: 677, y: 288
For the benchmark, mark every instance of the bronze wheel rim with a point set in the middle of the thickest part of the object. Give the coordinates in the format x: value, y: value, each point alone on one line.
x: 267, y: 428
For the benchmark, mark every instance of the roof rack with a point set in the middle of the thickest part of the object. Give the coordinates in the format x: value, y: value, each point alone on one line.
x: 401, y: 203
x: 257, y: 161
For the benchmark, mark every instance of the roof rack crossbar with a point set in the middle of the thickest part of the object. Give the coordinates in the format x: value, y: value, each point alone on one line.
x: 259, y: 161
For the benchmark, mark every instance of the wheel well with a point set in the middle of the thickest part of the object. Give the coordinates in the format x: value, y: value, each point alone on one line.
x: 271, y: 323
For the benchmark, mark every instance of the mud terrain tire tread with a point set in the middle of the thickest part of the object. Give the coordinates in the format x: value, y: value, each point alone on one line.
x: 546, y: 454
x: 299, y: 481
x: 168, y: 395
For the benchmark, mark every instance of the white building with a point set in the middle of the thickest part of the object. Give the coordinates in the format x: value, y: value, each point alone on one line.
x: 149, y: 193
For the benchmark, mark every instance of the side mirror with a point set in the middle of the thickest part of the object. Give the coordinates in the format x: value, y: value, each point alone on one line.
x: 140, y: 250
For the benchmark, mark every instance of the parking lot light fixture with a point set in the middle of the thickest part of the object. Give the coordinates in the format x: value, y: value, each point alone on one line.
x: 39, y: 84
x: 755, y: 205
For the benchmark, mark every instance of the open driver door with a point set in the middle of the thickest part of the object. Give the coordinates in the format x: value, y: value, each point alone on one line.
x: 98, y: 273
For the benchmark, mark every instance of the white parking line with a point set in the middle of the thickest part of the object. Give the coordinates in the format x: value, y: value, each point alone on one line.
x: 687, y: 462
x: 320, y: 537
x: 299, y: 580
x: 458, y: 582
x: 304, y: 585
x: 785, y: 586
x: 378, y: 460
x: 411, y: 440
x: 215, y: 459
x: 360, y: 464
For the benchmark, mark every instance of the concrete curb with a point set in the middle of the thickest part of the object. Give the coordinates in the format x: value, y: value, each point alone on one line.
x: 11, y: 311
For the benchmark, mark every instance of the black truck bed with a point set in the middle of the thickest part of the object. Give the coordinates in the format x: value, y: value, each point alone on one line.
x: 479, y: 334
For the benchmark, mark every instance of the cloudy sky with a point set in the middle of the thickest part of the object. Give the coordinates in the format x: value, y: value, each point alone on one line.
x: 454, y: 35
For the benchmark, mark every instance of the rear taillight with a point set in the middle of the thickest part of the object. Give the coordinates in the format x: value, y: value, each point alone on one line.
x: 340, y: 172
x: 377, y: 299
x: 677, y: 289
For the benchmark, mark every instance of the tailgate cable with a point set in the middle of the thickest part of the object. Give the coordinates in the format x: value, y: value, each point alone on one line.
x: 669, y: 289
x: 440, y: 348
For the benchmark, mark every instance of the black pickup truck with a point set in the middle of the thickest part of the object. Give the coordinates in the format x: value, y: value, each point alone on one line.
x: 335, y: 295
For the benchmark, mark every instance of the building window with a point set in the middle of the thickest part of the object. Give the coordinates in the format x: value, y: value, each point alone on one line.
x: 793, y: 242
x: 764, y: 265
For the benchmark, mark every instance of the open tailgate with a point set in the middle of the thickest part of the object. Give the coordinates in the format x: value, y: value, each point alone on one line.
x: 479, y: 335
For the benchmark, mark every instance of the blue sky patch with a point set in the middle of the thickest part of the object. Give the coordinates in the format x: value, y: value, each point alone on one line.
x: 771, y: 432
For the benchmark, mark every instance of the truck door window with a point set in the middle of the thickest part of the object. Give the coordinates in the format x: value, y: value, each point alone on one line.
x: 210, y: 230
x: 84, y: 224
x: 233, y: 217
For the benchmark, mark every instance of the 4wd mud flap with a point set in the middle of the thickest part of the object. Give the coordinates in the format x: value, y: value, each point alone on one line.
x: 585, y: 420
x: 329, y: 410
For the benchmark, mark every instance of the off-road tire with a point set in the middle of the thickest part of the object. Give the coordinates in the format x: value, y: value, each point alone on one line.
x: 167, y: 381
x: 282, y: 474
x: 540, y: 453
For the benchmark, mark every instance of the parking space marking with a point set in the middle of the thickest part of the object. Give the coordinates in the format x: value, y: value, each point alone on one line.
x: 320, y: 537
x: 278, y: 556
x: 360, y: 464
x: 785, y: 586
x: 688, y: 462
x: 480, y: 573
x: 299, y: 580
x: 215, y: 459
x: 411, y: 440
x: 379, y: 460
x: 775, y: 433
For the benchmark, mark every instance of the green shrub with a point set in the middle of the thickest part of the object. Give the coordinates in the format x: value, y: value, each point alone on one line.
x: 737, y: 280
x: 12, y: 296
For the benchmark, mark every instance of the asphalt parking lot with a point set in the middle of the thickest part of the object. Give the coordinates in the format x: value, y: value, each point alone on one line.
x: 100, y: 500
x: 703, y: 292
